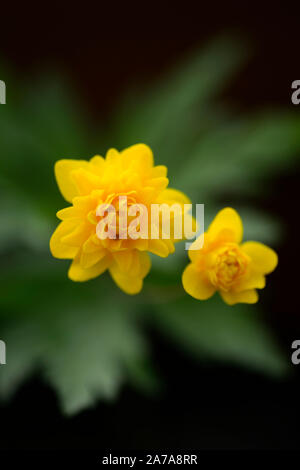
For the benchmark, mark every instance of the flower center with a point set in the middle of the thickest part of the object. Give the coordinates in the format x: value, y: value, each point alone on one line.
x: 229, y: 264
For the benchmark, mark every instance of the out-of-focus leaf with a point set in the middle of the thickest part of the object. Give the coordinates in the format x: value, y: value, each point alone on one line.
x: 90, y: 361
x: 35, y: 132
x: 21, y: 222
x: 51, y: 114
x: 260, y: 226
x: 84, y: 349
x: 213, y: 330
x: 173, y: 114
x: 236, y: 157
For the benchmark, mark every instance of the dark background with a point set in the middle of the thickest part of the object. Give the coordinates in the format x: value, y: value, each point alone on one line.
x: 102, y: 51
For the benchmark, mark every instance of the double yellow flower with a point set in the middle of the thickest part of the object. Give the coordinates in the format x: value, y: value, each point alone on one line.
x: 236, y: 270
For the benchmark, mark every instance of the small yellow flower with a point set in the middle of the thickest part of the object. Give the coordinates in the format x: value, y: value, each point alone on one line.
x: 88, y: 184
x: 224, y: 264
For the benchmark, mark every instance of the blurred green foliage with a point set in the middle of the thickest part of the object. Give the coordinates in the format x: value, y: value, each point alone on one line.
x: 88, y: 339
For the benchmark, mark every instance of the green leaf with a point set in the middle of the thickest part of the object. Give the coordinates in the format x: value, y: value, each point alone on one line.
x: 171, y: 115
x: 22, y: 222
x: 35, y: 132
x: 85, y: 349
x: 236, y: 157
x: 214, y: 331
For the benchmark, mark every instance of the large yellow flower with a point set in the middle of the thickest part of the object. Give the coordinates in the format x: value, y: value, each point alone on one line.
x: 88, y: 184
x: 224, y: 264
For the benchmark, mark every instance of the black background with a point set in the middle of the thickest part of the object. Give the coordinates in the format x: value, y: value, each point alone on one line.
x: 103, y: 50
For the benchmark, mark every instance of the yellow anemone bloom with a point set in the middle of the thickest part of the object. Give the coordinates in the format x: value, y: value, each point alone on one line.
x: 88, y: 184
x: 220, y: 262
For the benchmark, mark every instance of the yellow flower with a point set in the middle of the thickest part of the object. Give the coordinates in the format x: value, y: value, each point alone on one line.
x: 88, y: 184
x: 224, y: 264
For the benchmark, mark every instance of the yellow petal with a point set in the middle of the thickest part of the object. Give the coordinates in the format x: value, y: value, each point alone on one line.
x: 254, y: 280
x: 62, y: 170
x: 158, y: 183
x: 140, y: 265
x: 264, y: 258
x: 170, y: 245
x: 85, y: 181
x: 59, y: 249
x: 139, y: 154
x: 148, y: 194
x: 68, y: 213
x: 79, y: 274
x: 159, y: 171
x: 229, y: 220
x: 172, y: 196
x: 145, y: 264
x: 140, y: 244
x: 196, y: 283
x: 158, y: 247
x: 97, y: 161
x: 78, y: 236
x: 123, y: 259
x: 112, y: 155
x: 91, y: 245
x: 87, y: 260
x: 130, y: 285
x: 196, y: 247
x: 84, y: 204
x: 245, y: 297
